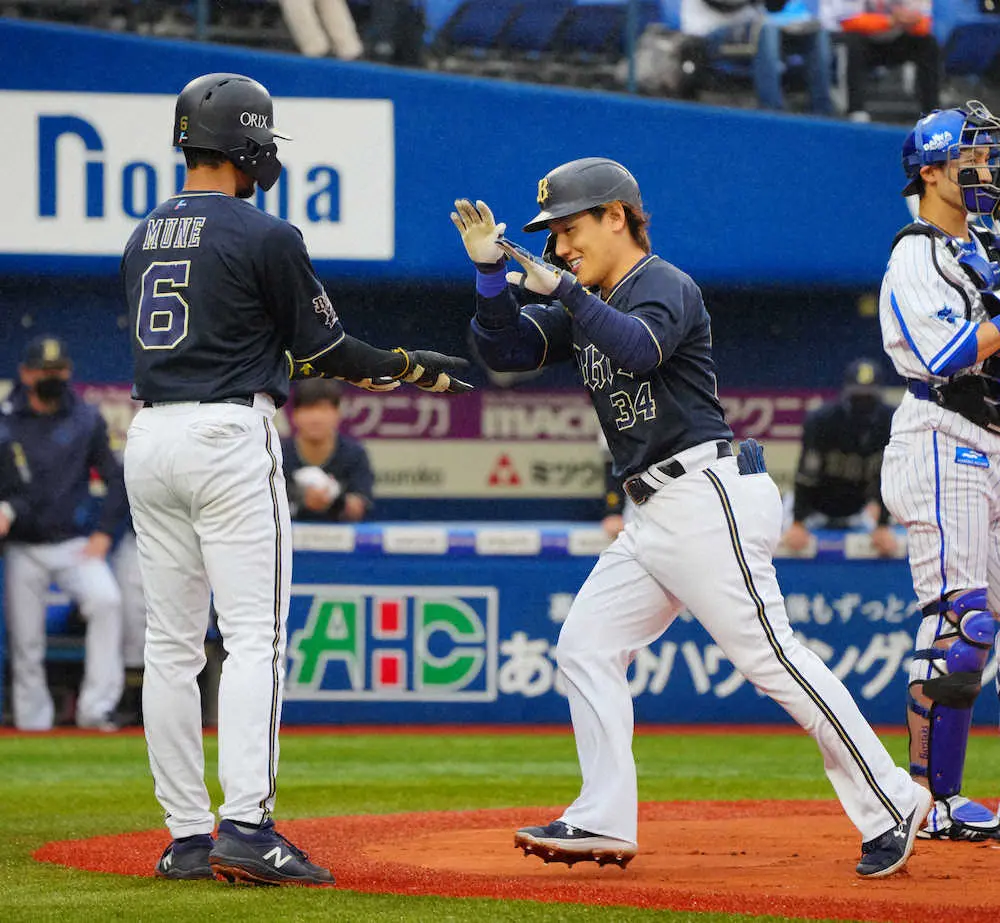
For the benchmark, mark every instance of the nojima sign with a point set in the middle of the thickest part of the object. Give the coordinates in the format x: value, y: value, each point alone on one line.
x: 92, y: 164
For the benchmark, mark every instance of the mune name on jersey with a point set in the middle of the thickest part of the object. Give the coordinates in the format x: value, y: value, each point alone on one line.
x: 173, y: 233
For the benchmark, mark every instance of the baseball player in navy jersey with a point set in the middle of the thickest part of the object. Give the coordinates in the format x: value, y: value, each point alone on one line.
x: 705, y: 524
x: 223, y: 306
x: 941, y: 470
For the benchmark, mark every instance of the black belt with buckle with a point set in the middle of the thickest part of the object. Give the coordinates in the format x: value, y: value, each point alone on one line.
x: 639, y: 491
x: 244, y: 400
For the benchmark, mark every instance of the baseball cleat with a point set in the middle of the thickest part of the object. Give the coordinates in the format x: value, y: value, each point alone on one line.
x: 187, y: 859
x: 888, y: 853
x: 958, y: 818
x: 262, y: 856
x: 561, y: 842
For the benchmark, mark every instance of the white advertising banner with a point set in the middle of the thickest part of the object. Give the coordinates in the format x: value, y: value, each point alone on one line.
x: 90, y: 165
x: 485, y: 468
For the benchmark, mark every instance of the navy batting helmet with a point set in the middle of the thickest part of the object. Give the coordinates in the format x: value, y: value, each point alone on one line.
x: 941, y: 138
x: 582, y: 184
x: 233, y: 115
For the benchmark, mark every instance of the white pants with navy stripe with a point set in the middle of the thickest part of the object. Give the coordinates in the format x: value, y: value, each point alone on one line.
x: 704, y: 542
x: 29, y: 570
x: 211, y: 518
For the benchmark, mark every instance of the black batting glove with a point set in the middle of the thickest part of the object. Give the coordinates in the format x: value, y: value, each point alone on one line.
x: 427, y: 370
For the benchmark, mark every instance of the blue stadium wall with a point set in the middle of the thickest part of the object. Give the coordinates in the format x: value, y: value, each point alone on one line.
x: 784, y: 220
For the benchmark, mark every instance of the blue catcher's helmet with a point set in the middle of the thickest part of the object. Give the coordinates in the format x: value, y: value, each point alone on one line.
x: 942, y: 136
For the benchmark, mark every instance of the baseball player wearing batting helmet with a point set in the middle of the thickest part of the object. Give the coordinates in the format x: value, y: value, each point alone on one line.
x: 643, y: 344
x: 223, y: 306
x: 939, y: 312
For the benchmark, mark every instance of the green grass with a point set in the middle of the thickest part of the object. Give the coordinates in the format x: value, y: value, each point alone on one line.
x: 70, y: 787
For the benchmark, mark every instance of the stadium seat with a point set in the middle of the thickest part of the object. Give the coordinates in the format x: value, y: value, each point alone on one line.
x: 476, y: 25
x: 533, y: 27
x: 593, y: 39
x: 969, y: 38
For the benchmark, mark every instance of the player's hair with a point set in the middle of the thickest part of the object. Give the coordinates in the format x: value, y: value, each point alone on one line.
x: 316, y: 391
x: 919, y: 186
x: 638, y: 222
x: 201, y: 157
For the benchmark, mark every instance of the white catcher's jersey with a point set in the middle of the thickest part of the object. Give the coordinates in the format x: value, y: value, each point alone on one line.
x: 929, y: 309
x: 940, y: 471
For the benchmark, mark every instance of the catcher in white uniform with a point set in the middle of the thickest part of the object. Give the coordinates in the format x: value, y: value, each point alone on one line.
x: 941, y: 470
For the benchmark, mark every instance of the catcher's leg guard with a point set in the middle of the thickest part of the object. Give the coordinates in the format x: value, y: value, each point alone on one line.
x: 953, y: 644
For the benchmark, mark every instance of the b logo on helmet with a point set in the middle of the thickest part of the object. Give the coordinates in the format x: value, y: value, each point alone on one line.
x: 543, y: 190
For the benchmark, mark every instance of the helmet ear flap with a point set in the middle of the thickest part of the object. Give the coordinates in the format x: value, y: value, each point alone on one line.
x: 549, y: 253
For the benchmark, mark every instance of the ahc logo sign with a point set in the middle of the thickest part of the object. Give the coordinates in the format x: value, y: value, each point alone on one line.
x: 392, y: 643
x: 90, y: 165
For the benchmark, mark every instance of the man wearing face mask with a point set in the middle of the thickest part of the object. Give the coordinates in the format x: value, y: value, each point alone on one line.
x: 837, y: 482
x: 55, y: 441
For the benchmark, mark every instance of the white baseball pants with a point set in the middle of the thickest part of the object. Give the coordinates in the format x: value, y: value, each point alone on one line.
x: 211, y: 517
x: 705, y: 541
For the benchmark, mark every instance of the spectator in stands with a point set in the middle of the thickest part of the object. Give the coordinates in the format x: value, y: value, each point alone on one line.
x: 327, y: 473
x: 55, y: 441
x: 321, y: 27
x: 770, y: 34
x: 395, y: 33
x: 837, y: 485
x: 881, y: 32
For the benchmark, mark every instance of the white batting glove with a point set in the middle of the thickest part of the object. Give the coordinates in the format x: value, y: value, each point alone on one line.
x: 538, y: 276
x: 479, y: 231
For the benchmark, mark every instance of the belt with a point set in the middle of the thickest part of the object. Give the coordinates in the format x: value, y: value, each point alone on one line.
x: 921, y: 390
x: 640, y: 490
x: 244, y: 400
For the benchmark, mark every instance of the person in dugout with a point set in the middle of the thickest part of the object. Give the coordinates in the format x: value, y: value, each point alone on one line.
x: 52, y: 440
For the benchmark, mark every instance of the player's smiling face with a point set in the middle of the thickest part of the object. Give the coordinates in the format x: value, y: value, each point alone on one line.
x: 587, y: 244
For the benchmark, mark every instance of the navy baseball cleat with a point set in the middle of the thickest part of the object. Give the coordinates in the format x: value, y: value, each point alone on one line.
x: 187, y: 859
x: 561, y: 842
x: 888, y: 853
x: 262, y: 856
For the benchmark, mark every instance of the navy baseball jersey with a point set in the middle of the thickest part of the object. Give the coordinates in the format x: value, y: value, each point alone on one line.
x: 217, y: 291
x: 645, y: 417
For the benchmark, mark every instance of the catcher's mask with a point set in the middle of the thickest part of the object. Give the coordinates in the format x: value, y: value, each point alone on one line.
x: 233, y: 115
x: 969, y: 139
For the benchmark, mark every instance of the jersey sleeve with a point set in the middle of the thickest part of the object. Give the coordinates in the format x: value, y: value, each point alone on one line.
x: 670, y: 314
x: 538, y: 335
x: 296, y: 298
x: 929, y: 308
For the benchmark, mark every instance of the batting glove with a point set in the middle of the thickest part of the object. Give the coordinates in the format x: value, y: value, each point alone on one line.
x: 480, y: 233
x: 539, y: 277
x: 426, y: 370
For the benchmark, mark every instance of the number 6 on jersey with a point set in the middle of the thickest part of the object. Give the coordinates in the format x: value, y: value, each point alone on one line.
x: 162, y: 319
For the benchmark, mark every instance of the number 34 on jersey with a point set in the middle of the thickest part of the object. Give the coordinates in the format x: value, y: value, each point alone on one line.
x: 630, y: 406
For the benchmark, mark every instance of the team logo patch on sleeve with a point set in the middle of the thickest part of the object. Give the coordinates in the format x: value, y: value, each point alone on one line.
x: 964, y: 456
x: 324, y: 307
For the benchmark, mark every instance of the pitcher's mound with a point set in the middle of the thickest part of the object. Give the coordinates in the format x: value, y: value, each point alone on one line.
x: 793, y: 858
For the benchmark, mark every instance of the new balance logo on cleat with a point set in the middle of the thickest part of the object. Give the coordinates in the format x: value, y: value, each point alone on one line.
x: 277, y: 858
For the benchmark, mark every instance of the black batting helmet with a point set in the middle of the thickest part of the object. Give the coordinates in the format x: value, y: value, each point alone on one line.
x: 582, y: 184
x: 233, y: 115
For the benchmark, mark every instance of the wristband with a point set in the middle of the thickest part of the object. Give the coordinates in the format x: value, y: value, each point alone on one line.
x: 490, y: 284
